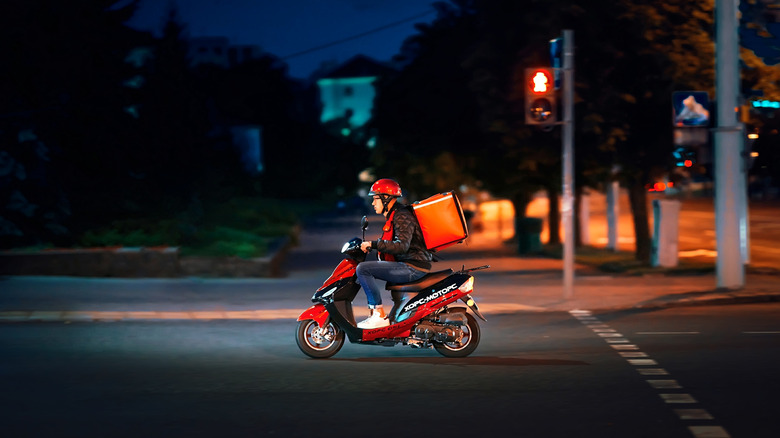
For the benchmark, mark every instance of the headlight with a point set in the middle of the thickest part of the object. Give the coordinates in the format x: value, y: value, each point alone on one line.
x: 468, y: 286
x: 345, y: 247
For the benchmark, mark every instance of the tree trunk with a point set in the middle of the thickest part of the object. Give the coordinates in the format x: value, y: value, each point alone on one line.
x: 638, y: 199
x: 553, y: 216
x: 520, y: 203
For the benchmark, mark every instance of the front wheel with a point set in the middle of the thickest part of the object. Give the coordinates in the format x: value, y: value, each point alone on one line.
x: 465, y: 345
x: 319, y: 342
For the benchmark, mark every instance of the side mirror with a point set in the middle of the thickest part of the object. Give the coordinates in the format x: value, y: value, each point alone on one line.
x: 364, y: 226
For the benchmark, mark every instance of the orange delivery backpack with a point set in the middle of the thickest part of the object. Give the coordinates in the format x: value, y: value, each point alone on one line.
x: 441, y: 220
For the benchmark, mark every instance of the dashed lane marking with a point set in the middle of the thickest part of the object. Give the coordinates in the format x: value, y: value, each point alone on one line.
x: 667, y: 333
x: 678, y: 398
x: 646, y: 366
x: 633, y: 354
x: 652, y: 371
x: 664, y: 384
x: 624, y: 346
x: 693, y: 414
x: 709, y: 432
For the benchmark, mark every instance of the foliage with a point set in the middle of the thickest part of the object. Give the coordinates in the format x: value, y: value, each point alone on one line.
x: 112, y: 134
x: 238, y: 227
x: 63, y: 70
x: 630, y: 56
x: 760, y: 30
x: 425, y: 115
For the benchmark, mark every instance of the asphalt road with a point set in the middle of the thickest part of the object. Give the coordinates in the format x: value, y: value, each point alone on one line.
x: 696, y: 228
x: 712, y: 372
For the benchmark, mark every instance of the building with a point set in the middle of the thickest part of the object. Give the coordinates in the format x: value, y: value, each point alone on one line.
x: 348, y: 92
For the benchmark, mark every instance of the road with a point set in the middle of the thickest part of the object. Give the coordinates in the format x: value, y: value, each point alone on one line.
x: 712, y: 372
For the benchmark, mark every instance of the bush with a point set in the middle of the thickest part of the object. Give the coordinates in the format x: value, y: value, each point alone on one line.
x: 241, y: 227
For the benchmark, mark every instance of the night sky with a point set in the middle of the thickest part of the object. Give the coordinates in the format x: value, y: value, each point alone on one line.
x: 289, y: 27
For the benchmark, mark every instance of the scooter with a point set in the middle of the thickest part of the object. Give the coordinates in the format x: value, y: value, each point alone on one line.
x: 421, y: 316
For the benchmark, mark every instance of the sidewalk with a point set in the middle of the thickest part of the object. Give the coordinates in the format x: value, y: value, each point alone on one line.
x: 513, y: 283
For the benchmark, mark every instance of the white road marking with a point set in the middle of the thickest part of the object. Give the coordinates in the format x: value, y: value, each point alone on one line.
x: 709, y: 432
x: 641, y: 360
x: 693, y: 414
x: 625, y: 347
x: 678, y: 398
x: 667, y: 333
x: 632, y: 354
x: 652, y: 371
x: 664, y: 384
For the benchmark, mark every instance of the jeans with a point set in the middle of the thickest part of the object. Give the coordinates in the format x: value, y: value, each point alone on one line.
x: 393, y: 272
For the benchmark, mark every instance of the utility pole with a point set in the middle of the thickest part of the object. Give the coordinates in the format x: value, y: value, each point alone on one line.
x: 730, y: 192
x: 567, y: 140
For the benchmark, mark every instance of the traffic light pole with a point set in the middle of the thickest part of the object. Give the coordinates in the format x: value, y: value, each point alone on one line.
x: 730, y: 192
x: 567, y: 140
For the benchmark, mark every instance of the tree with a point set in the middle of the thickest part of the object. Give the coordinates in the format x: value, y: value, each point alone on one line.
x: 425, y: 116
x: 760, y: 29
x: 61, y: 111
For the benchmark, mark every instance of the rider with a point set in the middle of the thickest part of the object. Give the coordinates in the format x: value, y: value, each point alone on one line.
x: 403, y: 256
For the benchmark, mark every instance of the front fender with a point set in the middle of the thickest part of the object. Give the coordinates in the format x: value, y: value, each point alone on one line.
x: 316, y: 312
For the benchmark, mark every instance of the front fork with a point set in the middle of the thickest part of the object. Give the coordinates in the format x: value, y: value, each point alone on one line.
x: 473, y: 306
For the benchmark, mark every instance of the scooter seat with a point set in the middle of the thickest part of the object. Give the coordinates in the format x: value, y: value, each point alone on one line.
x: 426, y: 281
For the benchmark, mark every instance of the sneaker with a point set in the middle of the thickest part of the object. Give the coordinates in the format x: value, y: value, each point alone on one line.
x: 374, y: 321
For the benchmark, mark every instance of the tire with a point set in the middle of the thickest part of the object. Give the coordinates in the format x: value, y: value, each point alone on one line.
x: 466, y: 345
x: 316, y: 342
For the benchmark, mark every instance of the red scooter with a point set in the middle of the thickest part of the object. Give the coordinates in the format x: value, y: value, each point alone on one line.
x: 421, y: 316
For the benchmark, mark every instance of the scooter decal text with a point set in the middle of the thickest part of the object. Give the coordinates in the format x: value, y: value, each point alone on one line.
x: 430, y: 297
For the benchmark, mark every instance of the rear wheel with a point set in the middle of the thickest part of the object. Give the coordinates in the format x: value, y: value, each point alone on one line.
x: 319, y: 342
x: 465, y: 345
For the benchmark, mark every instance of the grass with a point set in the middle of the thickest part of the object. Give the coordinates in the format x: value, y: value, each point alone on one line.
x: 241, y: 227
x: 624, y: 262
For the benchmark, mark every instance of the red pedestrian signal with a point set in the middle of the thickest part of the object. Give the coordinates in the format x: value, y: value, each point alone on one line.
x: 540, y: 81
x: 540, y: 96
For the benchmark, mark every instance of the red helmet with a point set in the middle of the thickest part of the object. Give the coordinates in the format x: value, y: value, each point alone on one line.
x: 385, y: 186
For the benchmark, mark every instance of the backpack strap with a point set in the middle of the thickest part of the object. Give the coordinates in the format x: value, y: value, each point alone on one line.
x: 387, y: 234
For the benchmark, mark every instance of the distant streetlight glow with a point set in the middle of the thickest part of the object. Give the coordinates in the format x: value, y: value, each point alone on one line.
x: 766, y: 104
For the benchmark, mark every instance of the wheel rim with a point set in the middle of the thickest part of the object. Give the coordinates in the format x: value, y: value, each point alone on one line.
x: 319, y: 338
x: 462, y: 342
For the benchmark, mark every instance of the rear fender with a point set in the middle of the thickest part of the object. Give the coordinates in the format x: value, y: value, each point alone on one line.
x: 316, y: 312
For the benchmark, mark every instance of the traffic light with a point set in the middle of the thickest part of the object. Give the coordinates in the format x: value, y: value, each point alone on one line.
x: 684, y: 157
x: 541, y: 106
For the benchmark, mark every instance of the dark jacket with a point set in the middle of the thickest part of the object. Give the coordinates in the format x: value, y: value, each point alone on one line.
x: 408, y: 245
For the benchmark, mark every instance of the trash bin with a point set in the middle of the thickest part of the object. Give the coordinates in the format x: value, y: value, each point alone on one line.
x: 529, y: 231
x: 666, y: 213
